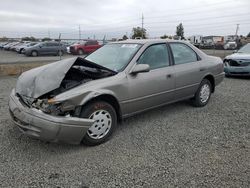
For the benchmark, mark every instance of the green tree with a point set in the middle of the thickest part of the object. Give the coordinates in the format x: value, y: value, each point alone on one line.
x: 46, y: 39
x: 124, y: 37
x: 164, y: 37
x: 248, y: 35
x: 3, y: 39
x: 29, y: 39
x: 180, y: 31
x: 138, y: 32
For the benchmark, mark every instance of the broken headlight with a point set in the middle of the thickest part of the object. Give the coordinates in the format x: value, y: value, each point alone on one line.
x: 226, y: 63
x: 43, y: 105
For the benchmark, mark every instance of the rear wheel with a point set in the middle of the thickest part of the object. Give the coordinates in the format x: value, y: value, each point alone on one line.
x: 34, y: 53
x: 203, y: 94
x: 105, y: 122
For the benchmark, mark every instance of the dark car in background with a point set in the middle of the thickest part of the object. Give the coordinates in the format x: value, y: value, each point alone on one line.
x: 45, y: 48
x: 238, y: 64
x: 2, y: 44
x: 19, y: 49
x: 84, y: 47
x: 9, y: 45
x: 13, y: 48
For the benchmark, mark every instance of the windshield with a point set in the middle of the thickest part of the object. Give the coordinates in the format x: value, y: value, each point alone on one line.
x: 81, y: 43
x: 245, y: 49
x: 114, y: 56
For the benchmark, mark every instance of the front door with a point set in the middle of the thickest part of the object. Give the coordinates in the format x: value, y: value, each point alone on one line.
x: 153, y: 88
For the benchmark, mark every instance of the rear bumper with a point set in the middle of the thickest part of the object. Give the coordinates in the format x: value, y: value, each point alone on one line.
x: 37, y: 124
x: 219, y: 78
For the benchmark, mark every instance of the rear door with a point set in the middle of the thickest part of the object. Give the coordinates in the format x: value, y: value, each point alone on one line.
x: 49, y: 48
x: 88, y: 46
x: 187, y: 68
x: 153, y: 88
x: 54, y: 47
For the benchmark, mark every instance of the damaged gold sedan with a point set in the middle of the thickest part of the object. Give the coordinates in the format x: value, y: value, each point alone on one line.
x: 81, y: 100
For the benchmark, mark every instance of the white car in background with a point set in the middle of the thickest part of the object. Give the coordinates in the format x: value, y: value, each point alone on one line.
x: 230, y: 45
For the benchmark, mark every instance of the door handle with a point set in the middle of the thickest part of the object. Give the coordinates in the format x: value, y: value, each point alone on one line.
x: 169, y: 75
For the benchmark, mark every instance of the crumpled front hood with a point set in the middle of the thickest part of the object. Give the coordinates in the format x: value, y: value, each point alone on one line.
x: 39, y: 81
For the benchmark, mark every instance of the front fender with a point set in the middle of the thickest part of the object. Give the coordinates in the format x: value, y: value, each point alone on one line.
x: 95, y: 94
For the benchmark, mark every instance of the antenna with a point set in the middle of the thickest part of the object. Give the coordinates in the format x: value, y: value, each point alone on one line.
x: 79, y: 32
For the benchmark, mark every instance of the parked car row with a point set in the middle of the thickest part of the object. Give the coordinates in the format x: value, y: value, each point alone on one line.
x: 35, y: 48
x: 51, y: 47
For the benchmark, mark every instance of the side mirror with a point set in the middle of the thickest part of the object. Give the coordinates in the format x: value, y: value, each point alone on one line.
x: 40, y: 46
x: 139, y: 68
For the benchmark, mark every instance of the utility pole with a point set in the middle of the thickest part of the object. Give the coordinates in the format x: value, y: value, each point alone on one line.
x: 79, y: 32
x: 142, y: 23
x: 237, y: 29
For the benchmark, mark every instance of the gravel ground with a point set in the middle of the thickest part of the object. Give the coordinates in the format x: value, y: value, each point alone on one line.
x: 173, y: 146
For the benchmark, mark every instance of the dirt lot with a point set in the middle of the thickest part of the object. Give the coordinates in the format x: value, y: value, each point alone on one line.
x: 173, y: 146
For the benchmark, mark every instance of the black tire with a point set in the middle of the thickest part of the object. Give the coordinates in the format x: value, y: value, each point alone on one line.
x: 80, y: 52
x: 88, y: 111
x: 34, y: 53
x: 197, y: 100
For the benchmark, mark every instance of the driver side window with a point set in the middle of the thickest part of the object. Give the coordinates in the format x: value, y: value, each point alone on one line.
x: 156, y: 56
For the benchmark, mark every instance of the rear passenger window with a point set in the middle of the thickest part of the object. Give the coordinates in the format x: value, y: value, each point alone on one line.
x: 155, y: 56
x: 183, y: 53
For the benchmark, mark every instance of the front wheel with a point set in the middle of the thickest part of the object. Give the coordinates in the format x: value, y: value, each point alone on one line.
x: 203, y: 94
x: 105, y: 122
x: 80, y: 52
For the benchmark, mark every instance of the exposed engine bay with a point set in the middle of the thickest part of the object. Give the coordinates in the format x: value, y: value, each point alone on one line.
x: 81, y: 71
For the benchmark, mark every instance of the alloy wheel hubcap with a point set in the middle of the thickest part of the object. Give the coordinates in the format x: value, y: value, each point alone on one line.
x: 204, y: 93
x: 102, y: 124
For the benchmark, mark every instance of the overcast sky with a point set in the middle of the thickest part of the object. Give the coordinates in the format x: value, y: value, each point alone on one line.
x: 114, y: 18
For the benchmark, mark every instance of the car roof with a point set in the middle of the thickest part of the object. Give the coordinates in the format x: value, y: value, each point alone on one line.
x: 148, y: 41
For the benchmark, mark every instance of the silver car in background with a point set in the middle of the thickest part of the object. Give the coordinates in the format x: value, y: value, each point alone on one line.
x: 78, y: 99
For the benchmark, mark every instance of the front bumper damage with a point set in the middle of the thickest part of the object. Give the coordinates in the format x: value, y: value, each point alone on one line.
x: 237, y: 71
x: 237, y: 67
x: 37, y: 124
